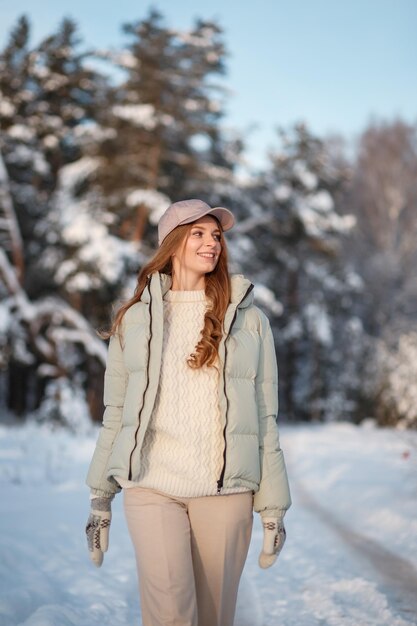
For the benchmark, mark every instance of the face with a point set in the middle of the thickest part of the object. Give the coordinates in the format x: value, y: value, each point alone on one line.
x: 200, y: 252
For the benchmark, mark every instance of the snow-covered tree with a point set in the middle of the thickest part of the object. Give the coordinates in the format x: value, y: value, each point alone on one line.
x: 165, y: 114
x: 46, y: 347
x: 382, y: 194
x: 10, y: 237
x: 87, y: 166
x: 84, y: 168
x: 46, y: 95
x: 92, y: 265
x: 289, y: 242
x: 390, y: 386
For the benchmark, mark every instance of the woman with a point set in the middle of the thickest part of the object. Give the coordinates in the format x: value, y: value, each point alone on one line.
x: 189, y: 430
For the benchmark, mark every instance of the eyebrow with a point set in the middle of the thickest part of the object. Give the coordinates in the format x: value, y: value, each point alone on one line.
x: 215, y: 230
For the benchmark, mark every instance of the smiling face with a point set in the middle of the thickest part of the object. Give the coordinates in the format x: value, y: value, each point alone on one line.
x: 198, y: 255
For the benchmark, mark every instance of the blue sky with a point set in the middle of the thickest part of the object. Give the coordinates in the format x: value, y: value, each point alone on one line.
x: 335, y: 64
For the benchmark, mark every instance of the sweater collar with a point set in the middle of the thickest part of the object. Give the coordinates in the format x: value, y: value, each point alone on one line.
x: 197, y: 295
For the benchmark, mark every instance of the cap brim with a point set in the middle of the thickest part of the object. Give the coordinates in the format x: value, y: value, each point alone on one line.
x: 224, y: 216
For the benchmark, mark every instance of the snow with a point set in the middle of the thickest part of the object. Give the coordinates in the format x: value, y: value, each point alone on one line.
x: 8, y: 274
x: 55, y: 82
x: 267, y: 298
x: 304, y: 175
x: 3, y: 172
x: 142, y: 115
x: 91, y: 132
x: 99, y: 250
x: 202, y: 40
x: 156, y: 202
x: 126, y: 59
x: 100, y: 257
x: 321, y: 201
x: 240, y: 249
x: 50, y: 141
x: 190, y: 104
x: 8, y: 220
x: 354, y: 281
x: 219, y: 174
x: 40, y: 165
x: 282, y: 192
x: 21, y: 155
x: 317, y: 223
x: 397, y: 377
x: 293, y: 330
x: 350, y: 558
x: 215, y: 106
x: 212, y: 57
x: 66, y: 402
x: 73, y: 174
x: 54, y: 122
x: 26, y: 95
x: 318, y: 323
x: 21, y: 132
x: 7, y: 109
x: 5, y: 319
x: 64, y: 325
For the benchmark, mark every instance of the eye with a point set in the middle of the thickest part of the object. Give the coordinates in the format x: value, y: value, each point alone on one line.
x: 197, y: 232
x: 217, y: 236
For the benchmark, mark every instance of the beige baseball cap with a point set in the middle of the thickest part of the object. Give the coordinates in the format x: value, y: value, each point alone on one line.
x: 187, y: 211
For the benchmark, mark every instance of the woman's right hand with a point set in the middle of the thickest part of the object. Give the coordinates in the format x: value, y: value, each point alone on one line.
x: 97, y: 529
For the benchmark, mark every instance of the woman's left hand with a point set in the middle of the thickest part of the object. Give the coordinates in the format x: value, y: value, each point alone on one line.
x: 274, y: 539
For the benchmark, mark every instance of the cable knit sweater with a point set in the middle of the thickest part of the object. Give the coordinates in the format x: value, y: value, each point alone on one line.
x: 182, y: 453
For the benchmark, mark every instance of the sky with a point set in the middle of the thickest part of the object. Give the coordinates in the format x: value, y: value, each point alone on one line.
x: 335, y: 65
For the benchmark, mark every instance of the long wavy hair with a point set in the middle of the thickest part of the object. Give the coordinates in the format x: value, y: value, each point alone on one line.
x: 217, y: 290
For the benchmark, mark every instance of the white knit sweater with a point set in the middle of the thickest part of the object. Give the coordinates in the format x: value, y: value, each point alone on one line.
x: 182, y: 453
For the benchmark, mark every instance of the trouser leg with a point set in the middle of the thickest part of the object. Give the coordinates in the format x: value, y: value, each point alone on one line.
x: 160, y: 532
x: 221, y: 528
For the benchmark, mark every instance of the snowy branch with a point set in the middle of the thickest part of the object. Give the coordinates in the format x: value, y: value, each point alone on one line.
x: 8, y: 222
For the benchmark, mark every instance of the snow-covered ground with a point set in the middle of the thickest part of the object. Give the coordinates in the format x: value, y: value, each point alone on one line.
x: 350, y: 557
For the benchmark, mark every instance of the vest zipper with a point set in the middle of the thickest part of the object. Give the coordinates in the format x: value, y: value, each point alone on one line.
x: 147, y: 380
x: 220, y: 481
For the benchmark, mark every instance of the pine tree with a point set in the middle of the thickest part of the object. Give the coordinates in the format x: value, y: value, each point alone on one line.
x: 165, y: 114
x: 46, y: 99
x: 293, y: 249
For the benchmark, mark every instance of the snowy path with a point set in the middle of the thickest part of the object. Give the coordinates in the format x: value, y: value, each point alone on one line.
x: 395, y: 575
x: 350, y: 558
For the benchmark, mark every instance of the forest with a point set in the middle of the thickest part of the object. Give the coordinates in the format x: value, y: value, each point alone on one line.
x: 95, y: 144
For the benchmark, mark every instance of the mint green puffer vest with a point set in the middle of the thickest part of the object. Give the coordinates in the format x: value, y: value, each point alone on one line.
x: 248, y: 397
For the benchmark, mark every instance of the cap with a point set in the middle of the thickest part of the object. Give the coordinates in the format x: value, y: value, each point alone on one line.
x: 187, y: 211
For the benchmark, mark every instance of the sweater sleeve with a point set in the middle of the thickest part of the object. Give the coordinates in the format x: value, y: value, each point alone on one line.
x: 115, y: 382
x: 273, y: 496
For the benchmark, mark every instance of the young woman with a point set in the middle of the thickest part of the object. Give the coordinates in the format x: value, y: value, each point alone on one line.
x: 189, y: 430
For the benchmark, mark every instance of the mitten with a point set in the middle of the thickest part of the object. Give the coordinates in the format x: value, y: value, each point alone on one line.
x: 97, y: 529
x: 274, y: 539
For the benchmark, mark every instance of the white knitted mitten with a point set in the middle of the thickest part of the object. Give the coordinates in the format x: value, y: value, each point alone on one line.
x: 97, y: 529
x: 274, y: 539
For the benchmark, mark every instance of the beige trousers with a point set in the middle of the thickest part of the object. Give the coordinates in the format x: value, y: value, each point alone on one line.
x: 190, y: 554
